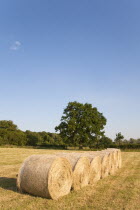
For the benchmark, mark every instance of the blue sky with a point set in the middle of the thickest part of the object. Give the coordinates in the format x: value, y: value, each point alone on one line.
x: 53, y: 52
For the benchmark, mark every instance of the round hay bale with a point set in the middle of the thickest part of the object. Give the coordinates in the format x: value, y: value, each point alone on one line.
x: 104, y: 156
x: 104, y: 164
x: 46, y: 176
x: 95, y: 170
x: 116, y: 154
x: 81, y: 169
x: 112, y: 163
x: 117, y: 157
x: 120, y: 159
x: 119, y: 165
x: 95, y: 166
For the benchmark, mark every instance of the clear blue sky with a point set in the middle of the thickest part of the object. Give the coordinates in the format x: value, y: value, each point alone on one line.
x: 53, y: 52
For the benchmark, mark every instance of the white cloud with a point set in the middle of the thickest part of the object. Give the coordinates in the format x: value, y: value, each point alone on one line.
x: 16, y: 45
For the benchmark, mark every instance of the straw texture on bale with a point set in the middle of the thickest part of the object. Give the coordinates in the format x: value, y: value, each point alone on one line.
x: 104, y: 164
x: 111, y: 162
x: 119, y: 159
x: 116, y: 153
x: 46, y: 176
x: 95, y: 170
x: 81, y: 169
x: 104, y: 156
x: 95, y: 166
x: 118, y: 156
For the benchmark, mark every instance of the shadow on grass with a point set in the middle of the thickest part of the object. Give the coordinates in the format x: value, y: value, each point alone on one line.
x: 8, y: 183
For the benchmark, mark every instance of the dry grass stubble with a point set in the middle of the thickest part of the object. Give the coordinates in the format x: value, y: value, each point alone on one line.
x: 119, y: 191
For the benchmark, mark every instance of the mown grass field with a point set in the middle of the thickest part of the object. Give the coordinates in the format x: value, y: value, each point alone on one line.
x: 121, y: 191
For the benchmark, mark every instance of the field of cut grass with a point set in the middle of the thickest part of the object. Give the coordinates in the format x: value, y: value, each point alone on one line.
x: 121, y: 191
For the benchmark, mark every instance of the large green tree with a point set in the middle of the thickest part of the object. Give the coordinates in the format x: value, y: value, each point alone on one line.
x: 81, y: 124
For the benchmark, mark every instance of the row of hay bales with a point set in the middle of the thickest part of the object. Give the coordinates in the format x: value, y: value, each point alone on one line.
x: 53, y: 176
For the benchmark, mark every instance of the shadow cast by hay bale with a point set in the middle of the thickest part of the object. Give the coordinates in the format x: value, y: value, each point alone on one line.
x: 8, y: 183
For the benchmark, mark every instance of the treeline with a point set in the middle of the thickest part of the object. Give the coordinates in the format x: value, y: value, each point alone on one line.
x: 122, y: 143
x: 11, y: 135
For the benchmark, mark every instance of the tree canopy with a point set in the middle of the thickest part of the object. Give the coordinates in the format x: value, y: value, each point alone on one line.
x: 8, y: 124
x: 81, y: 124
x: 119, y: 138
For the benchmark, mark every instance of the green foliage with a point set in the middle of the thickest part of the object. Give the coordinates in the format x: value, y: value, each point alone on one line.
x: 91, y: 137
x: 119, y: 138
x: 105, y: 142
x: 1, y: 141
x: 32, y: 138
x: 81, y: 124
x: 8, y: 124
x: 11, y: 135
x: 16, y: 138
